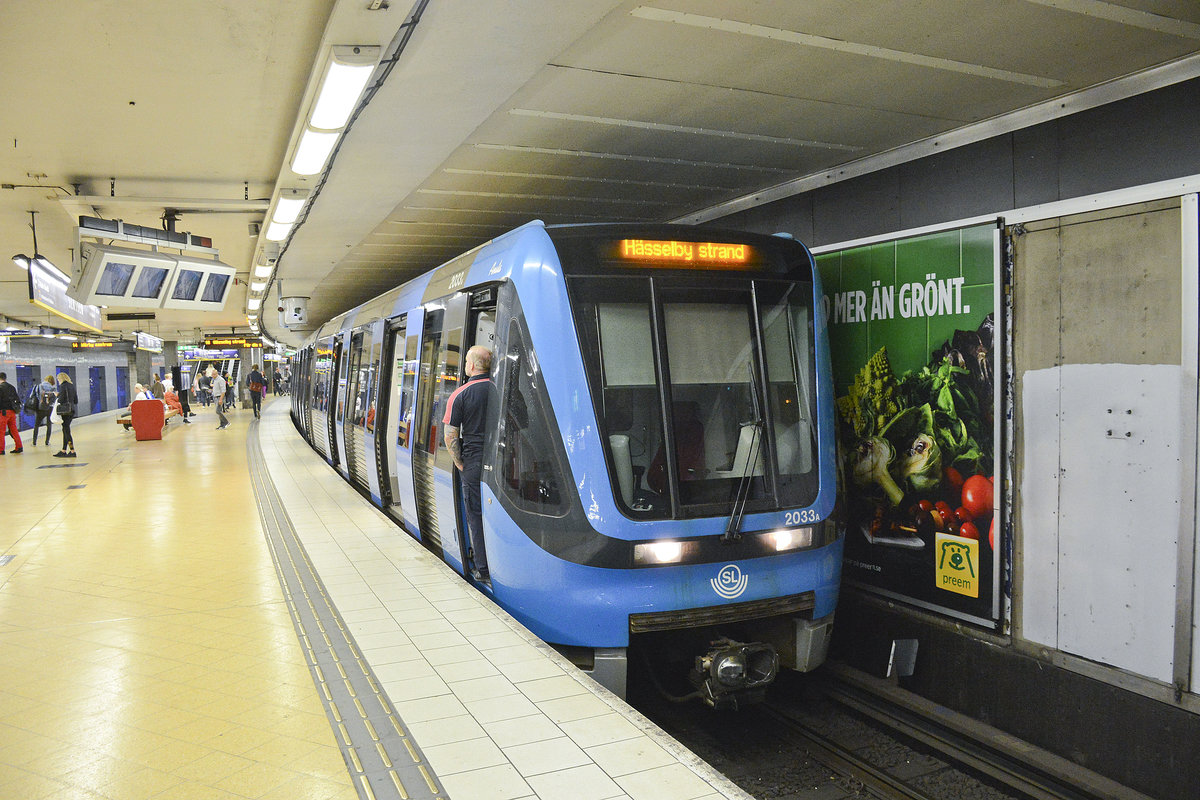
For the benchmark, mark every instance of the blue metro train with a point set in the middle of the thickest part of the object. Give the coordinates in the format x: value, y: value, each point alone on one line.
x: 661, y: 456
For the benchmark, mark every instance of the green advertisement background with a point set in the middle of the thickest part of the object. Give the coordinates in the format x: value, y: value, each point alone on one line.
x: 966, y: 253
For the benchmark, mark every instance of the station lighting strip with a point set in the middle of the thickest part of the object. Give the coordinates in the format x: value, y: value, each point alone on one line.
x: 384, y: 761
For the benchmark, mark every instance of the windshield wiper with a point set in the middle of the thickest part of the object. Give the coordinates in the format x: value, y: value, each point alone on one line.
x: 733, y: 529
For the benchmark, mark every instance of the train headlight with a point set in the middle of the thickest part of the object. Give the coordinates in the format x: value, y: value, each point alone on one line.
x: 786, y: 539
x: 658, y: 553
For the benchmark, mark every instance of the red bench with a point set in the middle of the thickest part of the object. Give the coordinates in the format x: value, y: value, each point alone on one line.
x: 147, y: 417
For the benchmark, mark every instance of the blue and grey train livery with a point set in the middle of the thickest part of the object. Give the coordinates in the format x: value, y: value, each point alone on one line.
x: 660, y: 462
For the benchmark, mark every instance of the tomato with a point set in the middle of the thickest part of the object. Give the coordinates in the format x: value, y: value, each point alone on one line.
x: 925, y: 505
x: 977, y: 494
x: 992, y: 534
x: 944, y: 508
x: 953, y: 477
x: 968, y: 531
x: 964, y: 515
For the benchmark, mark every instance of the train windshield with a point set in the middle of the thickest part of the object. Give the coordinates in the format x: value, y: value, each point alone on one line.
x: 705, y: 388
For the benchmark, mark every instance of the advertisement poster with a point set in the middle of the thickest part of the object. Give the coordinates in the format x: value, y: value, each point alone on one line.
x: 911, y: 330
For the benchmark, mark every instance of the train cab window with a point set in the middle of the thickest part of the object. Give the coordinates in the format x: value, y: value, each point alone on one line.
x: 787, y: 320
x: 718, y: 441
x: 734, y: 430
x: 530, y: 474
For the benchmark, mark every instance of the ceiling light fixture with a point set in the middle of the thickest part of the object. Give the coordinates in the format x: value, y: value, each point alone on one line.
x: 263, y: 271
x: 345, y: 75
x: 23, y: 261
x: 254, y: 303
x: 287, y: 208
x: 258, y: 287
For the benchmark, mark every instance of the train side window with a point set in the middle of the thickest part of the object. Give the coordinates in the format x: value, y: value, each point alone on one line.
x: 529, y: 470
x: 373, y: 382
x: 408, y: 389
x: 356, y: 390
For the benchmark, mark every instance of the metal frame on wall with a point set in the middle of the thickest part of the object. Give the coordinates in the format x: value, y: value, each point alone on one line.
x: 898, y: 306
x: 1186, y: 662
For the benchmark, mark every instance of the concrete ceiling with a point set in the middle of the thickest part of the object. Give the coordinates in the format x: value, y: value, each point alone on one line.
x: 487, y: 114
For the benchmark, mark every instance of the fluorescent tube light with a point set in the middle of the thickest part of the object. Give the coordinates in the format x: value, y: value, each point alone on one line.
x: 288, y: 207
x: 258, y: 287
x: 346, y: 76
x: 264, y: 271
x: 254, y: 303
x: 313, y: 150
x: 278, y: 231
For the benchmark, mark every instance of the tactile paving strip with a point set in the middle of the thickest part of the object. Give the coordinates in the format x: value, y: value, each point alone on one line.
x: 383, y: 760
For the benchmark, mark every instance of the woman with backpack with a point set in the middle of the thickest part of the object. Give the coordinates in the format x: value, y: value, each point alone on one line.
x: 258, y: 387
x: 44, y: 394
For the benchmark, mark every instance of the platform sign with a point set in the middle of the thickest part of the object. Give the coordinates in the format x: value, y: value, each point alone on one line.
x: 911, y: 325
x: 48, y: 289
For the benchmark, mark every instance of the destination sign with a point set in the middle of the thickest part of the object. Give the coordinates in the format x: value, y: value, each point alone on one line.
x: 92, y: 345
x: 232, y: 341
x: 685, y: 255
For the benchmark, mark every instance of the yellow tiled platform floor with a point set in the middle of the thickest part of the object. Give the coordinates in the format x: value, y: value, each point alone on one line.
x: 146, y: 650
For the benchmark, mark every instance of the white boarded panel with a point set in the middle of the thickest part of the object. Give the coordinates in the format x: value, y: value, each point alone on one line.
x: 1119, y: 514
x: 1037, y: 541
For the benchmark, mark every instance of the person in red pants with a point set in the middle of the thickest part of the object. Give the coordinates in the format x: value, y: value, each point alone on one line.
x: 10, y: 407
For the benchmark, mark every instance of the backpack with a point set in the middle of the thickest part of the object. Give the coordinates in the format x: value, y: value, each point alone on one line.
x: 46, y: 401
x: 31, y: 402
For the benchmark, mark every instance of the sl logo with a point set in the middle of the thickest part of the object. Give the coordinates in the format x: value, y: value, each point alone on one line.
x: 730, y: 582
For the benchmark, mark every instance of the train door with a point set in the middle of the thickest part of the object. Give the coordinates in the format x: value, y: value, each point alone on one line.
x: 480, y: 330
x: 372, y: 358
x: 352, y: 411
x: 427, y: 425
x: 396, y: 482
x: 449, y: 330
x: 322, y: 389
x: 337, y: 403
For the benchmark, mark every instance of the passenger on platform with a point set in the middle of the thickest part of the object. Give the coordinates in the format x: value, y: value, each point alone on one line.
x: 218, y: 391
x: 204, y: 386
x: 10, y: 408
x: 172, y: 401
x: 45, y: 392
x: 278, y: 380
x: 66, y: 406
x: 141, y: 392
x: 230, y: 388
x: 464, y: 433
x: 156, y: 388
x: 258, y: 386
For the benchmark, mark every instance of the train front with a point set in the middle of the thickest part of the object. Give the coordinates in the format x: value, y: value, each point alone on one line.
x: 691, y: 391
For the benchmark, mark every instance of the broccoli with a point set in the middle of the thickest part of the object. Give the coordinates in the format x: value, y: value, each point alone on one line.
x: 874, y: 396
x: 868, y: 463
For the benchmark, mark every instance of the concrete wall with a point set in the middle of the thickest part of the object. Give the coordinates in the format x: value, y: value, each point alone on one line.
x: 1141, y: 140
x: 1097, y: 326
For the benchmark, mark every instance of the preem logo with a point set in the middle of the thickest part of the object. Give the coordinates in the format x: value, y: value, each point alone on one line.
x: 730, y: 582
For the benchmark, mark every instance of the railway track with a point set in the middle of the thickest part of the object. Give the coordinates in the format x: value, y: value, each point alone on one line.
x: 839, y: 735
